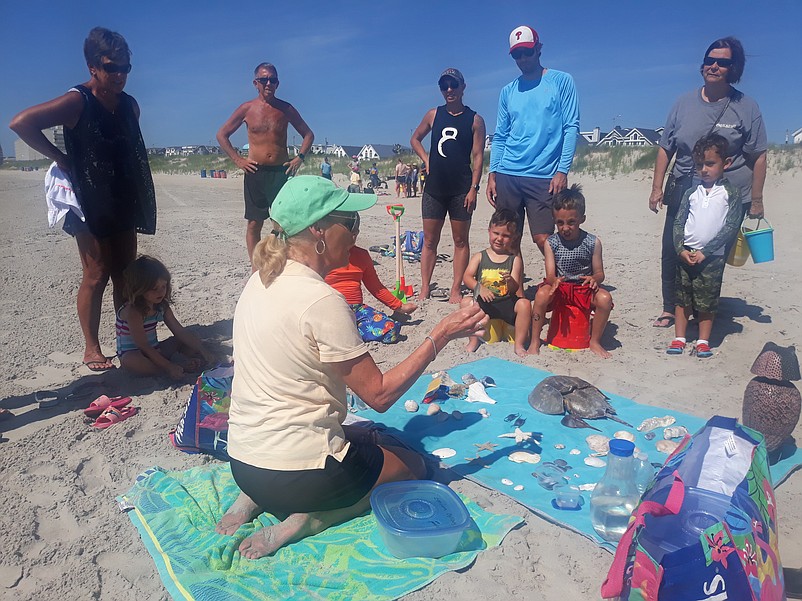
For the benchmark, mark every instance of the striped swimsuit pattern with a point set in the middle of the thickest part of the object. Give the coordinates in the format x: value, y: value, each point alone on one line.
x: 124, y: 341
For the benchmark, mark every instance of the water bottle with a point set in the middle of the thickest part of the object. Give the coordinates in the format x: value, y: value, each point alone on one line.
x: 644, y: 471
x: 616, y: 494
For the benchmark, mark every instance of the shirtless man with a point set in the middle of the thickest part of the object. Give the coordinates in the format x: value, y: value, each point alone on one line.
x: 268, y: 164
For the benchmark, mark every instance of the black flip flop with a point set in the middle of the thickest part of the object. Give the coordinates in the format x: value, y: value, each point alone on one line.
x: 666, y: 321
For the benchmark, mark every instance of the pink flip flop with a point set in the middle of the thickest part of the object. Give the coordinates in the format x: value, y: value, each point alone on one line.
x: 103, y: 402
x: 113, y: 415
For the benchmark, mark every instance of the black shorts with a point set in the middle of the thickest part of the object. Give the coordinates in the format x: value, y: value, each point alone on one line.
x: 337, y: 485
x: 435, y: 207
x: 503, y: 309
x: 261, y: 189
x: 528, y: 195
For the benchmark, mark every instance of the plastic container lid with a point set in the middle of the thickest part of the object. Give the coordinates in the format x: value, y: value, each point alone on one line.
x: 622, y: 448
x: 419, y: 508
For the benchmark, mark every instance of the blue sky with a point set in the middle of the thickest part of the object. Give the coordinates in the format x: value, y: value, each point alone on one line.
x: 364, y: 72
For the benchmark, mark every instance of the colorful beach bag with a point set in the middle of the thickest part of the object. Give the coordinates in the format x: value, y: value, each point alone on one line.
x: 204, y: 426
x: 706, y: 528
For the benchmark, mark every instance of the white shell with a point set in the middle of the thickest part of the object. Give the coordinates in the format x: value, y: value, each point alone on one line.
x: 589, y: 486
x: 519, y: 435
x: 484, y: 412
x: 506, y: 482
x: 518, y: 487
x: 411, y: 405
x: 595, y: 462
x: 666, y: 446
x: 575, y: 452
x: 477, y: 394
x: 457, y: 415
x: 650, y: 424
x: 675, y: 432
x: 432, y: 409
x: 559, y: 445
x: 442, y: 416
x: 524, y: 457
x: 444, y: 453
x: 598, y: 443
x: 624, y: 435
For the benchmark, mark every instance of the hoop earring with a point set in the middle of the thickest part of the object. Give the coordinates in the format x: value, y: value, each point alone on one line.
x: 323, y: 250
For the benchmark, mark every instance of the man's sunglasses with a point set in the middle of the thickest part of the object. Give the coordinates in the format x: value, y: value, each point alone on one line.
x: 448, y: 84
x: 349, y: 220
x: 724, y: 63
x: 266, y: 80
x: 521, y: 52
x: 115, y: 68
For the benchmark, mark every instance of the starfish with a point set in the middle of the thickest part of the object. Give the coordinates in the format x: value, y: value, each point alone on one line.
x: 487, y: 446
x: 518, y: 435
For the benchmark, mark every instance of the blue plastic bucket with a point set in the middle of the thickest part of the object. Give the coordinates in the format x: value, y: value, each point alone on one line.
x: 761, y: 243
x: 212, y: 173
x: 203, y: 172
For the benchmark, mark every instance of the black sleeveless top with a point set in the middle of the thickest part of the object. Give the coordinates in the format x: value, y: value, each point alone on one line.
x: 450, y: 153
x: 110, y: 170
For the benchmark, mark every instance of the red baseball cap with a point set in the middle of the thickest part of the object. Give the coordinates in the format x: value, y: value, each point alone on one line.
x: 523, y: 36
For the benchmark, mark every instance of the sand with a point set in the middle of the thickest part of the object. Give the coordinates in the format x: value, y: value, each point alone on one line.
x: 63, y: 536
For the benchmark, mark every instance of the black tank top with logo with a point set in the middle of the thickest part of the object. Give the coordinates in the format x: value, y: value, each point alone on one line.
x: 450, y: 153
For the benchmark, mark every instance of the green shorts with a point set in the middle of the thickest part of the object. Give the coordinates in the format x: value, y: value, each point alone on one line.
x: 699, y: 286
x: 261, y: 189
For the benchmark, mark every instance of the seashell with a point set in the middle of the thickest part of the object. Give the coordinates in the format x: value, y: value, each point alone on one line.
x: 484, y: 412
x: 457, y: 415
x: 445, y: 379
x: 457, y: 391
x: 411, y: 405
x: 595, y: 462
x: 576, y: 475
x: 469, y: 379
x: 598, y: 443
x: 444, y: 453
x: 432, y: 409
x: 506, y: 482
x: 518, y: 487
x: 442, y: 416
x: 575, y: 452
x: 649, y: 435
x: 624, y: 435
x: 653, y: 423
x: 666, y: 446
x: 559, y: 445
x: 589, y: 486
x: 488, y: 382
x: 477, y: 394
x: 524, y: 457
x: 675, y: 432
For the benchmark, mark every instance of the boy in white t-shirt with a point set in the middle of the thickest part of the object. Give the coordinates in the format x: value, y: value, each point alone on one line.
x: 707, y: 220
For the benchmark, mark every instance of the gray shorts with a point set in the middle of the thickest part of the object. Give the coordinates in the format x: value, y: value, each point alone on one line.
x: 529, y: 195
x: 435, y: 207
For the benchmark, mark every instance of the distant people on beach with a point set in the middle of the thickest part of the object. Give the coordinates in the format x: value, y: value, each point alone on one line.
x: 496, y: 275
x: 374, y: 176
x: 453, y: 170
x: 296, y: 349
x: 148, y: 296
x: 400, y: 178
x: 708, y: 218
x: 716, y: 107
x: 574, y: 271
x: 355, y: 184
x: 109, y: 171
x: 325, y: 168
x: 535, y: 139
x: 268, y: 164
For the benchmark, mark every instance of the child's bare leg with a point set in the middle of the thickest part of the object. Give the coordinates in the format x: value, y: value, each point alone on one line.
x: 705, y: 324
x: 523, y: 323
x: 681, y: 317
x: 539, y: 307
x: 602, y: 305
x: 138, y: 364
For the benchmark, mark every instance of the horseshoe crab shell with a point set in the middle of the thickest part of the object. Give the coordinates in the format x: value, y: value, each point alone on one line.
x: 577, y: 399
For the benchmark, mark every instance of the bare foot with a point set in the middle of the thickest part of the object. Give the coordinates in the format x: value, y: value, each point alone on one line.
x: 473, y: 344
x: 423, y: 294
x: 534, y: 347
x: 456, y: 297
x: 520, y: 351
x: 599, y: 350
x: 241, y: 512
x: 269, y: 540
x: 95, y: 360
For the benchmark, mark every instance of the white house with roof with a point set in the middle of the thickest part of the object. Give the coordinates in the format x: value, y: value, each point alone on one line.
x: 798, y: 136
x: 636, y: 136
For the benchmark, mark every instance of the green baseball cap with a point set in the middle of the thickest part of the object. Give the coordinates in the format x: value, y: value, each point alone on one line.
x: 306, y: 199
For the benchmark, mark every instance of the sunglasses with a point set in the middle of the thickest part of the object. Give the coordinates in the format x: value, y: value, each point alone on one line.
x: 724, y: 63
x: 349, y: 220
x: 115, y: 68
x: 521, y: 52
x: 448, y: 84
x: 266, y: 80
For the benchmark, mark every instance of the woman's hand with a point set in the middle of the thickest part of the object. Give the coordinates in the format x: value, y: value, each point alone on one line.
x: 468, y: 321
x: 655, y: 200
x: 407, y: 308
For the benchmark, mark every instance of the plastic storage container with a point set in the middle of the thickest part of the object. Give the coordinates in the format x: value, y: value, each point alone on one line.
x: 419, y: 518
x: 616, y: 495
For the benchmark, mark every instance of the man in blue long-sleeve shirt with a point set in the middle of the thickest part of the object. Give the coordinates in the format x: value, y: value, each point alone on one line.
x: 535, y: 139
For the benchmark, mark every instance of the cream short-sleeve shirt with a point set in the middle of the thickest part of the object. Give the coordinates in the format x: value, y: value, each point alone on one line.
x: 287, y: 403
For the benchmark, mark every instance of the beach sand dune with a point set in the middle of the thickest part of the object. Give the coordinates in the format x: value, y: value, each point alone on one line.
x: 63, y: 536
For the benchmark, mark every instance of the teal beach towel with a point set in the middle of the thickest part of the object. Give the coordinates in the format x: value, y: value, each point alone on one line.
x: 176, y: 512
